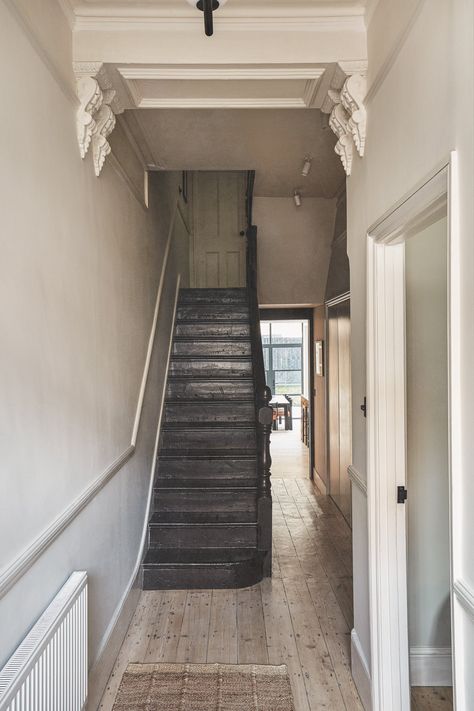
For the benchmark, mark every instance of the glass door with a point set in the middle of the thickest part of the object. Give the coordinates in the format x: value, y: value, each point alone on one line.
x: 283, y: 355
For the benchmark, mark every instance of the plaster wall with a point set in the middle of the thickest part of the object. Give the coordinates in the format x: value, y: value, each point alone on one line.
x: 294, y: 247
x: 82, y: 259
x: 420, y: 103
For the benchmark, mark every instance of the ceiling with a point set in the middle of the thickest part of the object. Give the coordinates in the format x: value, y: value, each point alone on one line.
x: 272, y: 142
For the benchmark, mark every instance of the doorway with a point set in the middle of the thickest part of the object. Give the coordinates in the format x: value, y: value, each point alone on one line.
x: 412, y: 405
x: 427, y: 442
x: 286, y: 349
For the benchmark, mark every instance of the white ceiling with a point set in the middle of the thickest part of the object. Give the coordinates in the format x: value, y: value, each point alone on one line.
x: 272, y: 142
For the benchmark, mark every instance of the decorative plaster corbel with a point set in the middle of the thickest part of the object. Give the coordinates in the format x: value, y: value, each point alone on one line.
x: 90, y: 97
x: 105, y: 123
x: 339, y: 123
x: 104, y: 75
x: 352, y: 97
x: 96, y: 115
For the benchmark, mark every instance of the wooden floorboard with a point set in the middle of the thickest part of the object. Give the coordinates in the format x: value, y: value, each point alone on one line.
x: 301, y: 617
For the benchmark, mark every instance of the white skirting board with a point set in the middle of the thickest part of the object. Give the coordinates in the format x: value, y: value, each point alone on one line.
x: 360, y: 671
x: 431, y: 666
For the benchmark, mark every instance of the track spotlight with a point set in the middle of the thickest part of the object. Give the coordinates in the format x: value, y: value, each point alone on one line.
x: 297, y: 198
x: 306, y: 166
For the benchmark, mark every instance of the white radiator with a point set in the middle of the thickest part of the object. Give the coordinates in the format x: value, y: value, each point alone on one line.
x: 48, y: 671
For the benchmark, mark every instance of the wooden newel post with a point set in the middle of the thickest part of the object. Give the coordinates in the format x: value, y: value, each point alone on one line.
x: 265, y: 418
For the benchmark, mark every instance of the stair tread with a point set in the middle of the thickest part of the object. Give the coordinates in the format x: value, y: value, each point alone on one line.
x: 214, y: 524
x: 226, y: 358
x: 208, y: 401
x: 193, y: 518
x: 189, y: 556
x: 189, y: 426
x: 207, y: 489
x: 242, y: 455
x: 212, y: 339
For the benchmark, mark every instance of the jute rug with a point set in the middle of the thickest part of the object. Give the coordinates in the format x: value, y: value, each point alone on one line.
x: 204, y: 687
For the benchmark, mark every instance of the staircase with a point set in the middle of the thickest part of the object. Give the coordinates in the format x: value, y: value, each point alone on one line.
x: 209, y: 504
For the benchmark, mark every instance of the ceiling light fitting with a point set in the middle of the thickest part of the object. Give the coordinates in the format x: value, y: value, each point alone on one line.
x: 208, y: 7
x: 306, y: 166
x: 297, y: 198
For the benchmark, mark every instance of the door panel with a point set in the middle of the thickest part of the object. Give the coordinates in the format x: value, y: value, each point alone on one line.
x: 218, y: 210
x: 339, y: 406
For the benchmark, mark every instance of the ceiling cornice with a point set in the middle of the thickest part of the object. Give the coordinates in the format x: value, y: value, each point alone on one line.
x: 111, y: 23
x: 242, y: 9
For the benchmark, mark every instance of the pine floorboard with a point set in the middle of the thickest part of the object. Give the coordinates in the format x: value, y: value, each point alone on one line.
x: 301, y: 617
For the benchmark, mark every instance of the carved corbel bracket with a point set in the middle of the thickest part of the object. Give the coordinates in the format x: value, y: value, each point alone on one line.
x: 339, y: 124
x: 348, y: 116
x: 90, y: 97
x: 96, y: 113
x: 105, y: 124
x: 352, y: 98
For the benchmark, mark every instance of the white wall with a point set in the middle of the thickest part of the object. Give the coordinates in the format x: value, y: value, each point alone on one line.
x: 419, y: 104
x: 294, y: 247
x: 426, y: 267
x: 81, y: 260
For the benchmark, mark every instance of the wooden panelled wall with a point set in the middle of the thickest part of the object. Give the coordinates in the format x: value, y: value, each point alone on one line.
x: 338, y: 283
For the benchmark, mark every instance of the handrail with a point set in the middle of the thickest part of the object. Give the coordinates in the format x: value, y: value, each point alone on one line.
x: 263, y: 410
x: 249, y: 197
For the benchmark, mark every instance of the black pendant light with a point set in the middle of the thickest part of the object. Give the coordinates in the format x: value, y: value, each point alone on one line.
x: 208, y: 7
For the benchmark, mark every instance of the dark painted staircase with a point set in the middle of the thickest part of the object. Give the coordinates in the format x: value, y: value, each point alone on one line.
x: 206, y: 525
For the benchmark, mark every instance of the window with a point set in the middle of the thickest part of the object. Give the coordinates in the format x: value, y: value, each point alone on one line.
x: 283, y: 356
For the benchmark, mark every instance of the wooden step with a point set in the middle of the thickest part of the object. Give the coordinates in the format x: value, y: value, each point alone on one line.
x: 209, y: 389
x: 211, y: 348
x: 207, y: 468
x: 208, y: 413
x: 210, y: 367
x: 201, y: 535
x: 212, y: 329
x: 208, y: 439
x: 213, y: 296
x: 212, y: 312
x: 188, y: 569
x: 207, y: 500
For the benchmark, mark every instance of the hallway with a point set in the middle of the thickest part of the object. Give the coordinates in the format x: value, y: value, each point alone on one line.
x: 290, y: 457
x: 301, y: 617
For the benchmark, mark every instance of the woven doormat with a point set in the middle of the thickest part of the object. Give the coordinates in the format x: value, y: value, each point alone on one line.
x: 204, y: 687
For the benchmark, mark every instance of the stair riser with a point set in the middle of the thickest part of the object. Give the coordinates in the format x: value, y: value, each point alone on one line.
x: 203, y: 501
x: 210, y: 330
x: 206, y: 468
x: 208, y: 414
x: 223, y: 483
x: 213, y: 296
x: 192, y: 536
x: 202, y: 577
x: 213, y: 349
x: 208, y: 440
x: 205, y: 517
x: 210, y: 368
x: 209, y: 312
x: 210, y: 390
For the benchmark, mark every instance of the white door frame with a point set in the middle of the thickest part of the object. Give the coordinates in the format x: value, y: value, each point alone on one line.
x: 386, y: 406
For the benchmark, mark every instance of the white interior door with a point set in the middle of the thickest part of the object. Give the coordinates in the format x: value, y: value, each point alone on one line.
x: 219, y: 217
